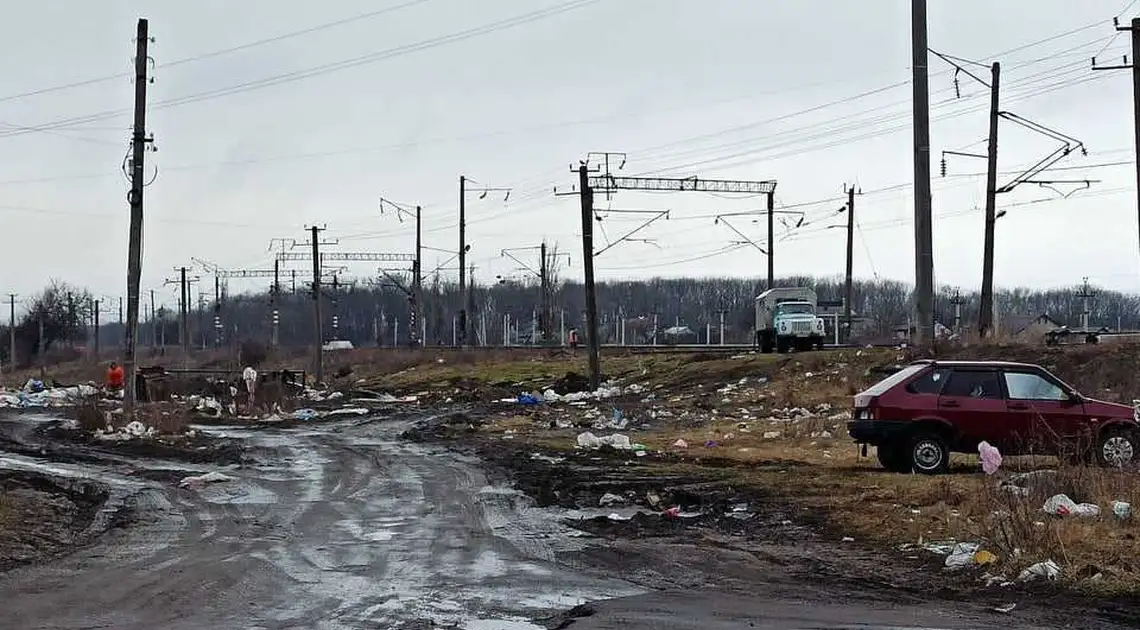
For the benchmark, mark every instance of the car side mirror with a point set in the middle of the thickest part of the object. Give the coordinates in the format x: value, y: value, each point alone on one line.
x: 1074, y: 398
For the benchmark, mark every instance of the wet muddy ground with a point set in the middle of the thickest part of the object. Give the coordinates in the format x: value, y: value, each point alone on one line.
x: 385, y: 521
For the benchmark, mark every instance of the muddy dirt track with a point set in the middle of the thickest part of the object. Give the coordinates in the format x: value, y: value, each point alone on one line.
x: 346, y: 525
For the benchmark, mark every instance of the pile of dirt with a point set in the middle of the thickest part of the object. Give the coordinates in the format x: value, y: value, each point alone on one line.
x: 40, y: 518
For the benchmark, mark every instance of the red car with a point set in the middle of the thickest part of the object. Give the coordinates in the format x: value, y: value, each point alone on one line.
x: 919, y: 415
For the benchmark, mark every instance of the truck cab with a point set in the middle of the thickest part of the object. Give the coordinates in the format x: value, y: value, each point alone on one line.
x: 786, y: 319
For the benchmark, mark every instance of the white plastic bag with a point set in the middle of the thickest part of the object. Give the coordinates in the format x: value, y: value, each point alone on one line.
x: 588, y: 440
x: 1062, y: 505
x: 990, y: 456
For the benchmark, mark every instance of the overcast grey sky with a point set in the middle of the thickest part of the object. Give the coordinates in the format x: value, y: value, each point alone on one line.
x: 812, y: 93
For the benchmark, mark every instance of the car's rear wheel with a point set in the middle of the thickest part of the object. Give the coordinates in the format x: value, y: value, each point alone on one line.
x: 929, y: 454
x: 1118, y: 448
x: 893, y: 457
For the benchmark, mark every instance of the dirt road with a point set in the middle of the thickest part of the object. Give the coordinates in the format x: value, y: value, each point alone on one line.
x: 344, y: 525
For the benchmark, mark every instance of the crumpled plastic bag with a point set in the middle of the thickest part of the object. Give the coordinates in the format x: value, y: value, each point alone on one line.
x: 201, y: 480
x: 961, y: 555
x: 617, y: 440
x: 990, y: 456
x: 1042, y: 570
x: 1062, y: 505
x: 588, y: 440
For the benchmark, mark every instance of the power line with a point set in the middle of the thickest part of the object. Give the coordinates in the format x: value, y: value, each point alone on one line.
x: 215, y: 53
x: 298, y: 75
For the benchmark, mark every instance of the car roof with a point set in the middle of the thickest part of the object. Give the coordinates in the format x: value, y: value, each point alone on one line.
x: 978, y: 364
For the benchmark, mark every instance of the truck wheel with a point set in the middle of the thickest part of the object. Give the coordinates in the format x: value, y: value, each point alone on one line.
x: 928, y: 454
x: 893, y: 457
x: 1117, y: 448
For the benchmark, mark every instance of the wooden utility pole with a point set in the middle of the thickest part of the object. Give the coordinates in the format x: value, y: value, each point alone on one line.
x: 586, y: 195
x: 97, y: 335
x: 121, y: 315
x: 318, y: 332
x: 986, y: 309
x: 462, y: 329
x: 923, y: 222
x: 848, y: 288
x: 12, y: 330
x: 138, y: 182
x: 544, y: 283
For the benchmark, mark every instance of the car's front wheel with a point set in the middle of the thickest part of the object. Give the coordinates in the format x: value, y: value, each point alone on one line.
x: 929, y: 454
x: 1118, y: 448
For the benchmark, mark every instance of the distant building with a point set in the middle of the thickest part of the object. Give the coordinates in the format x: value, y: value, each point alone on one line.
x: 1029, y: 328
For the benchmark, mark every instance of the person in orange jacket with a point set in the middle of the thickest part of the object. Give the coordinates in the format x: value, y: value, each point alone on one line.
x: 114, y: 379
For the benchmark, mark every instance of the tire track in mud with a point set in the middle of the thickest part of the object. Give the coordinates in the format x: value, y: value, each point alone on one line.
x: 334, y: 526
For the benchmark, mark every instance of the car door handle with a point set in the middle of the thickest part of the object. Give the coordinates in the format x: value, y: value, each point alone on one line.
x: 949, y: 403
x: 1021, y: 406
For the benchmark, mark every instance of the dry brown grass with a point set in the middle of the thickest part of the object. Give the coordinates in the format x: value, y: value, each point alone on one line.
x: 828, y: 475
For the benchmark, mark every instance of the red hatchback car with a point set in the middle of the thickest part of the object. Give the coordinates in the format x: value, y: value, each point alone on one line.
x: 917, y: 416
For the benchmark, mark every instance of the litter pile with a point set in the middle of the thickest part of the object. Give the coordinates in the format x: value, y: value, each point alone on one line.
x: 36, y: 394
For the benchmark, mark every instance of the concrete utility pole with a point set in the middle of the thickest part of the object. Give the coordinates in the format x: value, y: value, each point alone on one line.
x: 1134, y: 66
x: 772, y: 238
x: 957, y: 301
x: 135, y: 198
x: 462, y: 327
x: 848, y: 288
x: 153, y: 323
x: 986, y: 310
x: 721, y: 326
x: 1085, y: 296
x: 276, y: 294
x: 923, y: 222
x: 415, y: 329
x: 184, y: 306
x: 318, y: 333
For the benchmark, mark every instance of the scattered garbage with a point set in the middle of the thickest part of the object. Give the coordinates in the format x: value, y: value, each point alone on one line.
x: 680, y: 444
x: 771, y: 435
x: 1062, y: 505
x: 617, y: 440
x: 1042, y: 570
x: 201, y: 480
x: 609, y: 499
x: 305, y: 414
x: 35, y: 394
x: 990, y: 456
x: 1121, y: 509
x: 132, y: 430
x: 349, y: 411
x: 962, y: 555
x: 1005, y: 609
x: 528, y: 399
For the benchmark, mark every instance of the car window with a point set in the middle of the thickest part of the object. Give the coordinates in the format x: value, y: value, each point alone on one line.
x: 929, y: 383
x: 1028, y: 386
x: 972, y: 384
x: 884, y: 385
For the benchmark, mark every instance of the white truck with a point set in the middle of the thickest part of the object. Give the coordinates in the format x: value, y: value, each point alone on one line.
x: 785, y: 319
